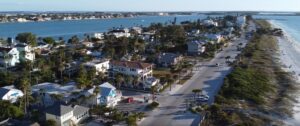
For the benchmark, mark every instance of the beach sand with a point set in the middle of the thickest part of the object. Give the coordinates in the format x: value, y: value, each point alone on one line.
x: 289, y: 52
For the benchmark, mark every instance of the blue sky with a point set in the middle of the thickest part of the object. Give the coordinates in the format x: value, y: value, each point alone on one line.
x: 149, y: 5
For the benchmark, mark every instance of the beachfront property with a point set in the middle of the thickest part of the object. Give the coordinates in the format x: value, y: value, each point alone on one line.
x: 168, y: 59
x: 138, y: 30
x: 9, y: 57
x: 10, y: 93
x: 147, y: 36
x: 108, y: 95
x: 65, y: 115
x: 211, y: 22
x: 99, y: 36
x: 101, y: 66
x: 88, y: 44
x: 48, y: 93
x: 120, y: 32
x: 196, y: 47
x: 26, y: 52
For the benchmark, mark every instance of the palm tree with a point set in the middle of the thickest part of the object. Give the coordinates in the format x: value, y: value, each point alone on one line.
x: 153, y: 91
x: 96, y: 92
x: 7, y: 58
x: 135, y: 81
x: 128, y: 80
x: 25, y: 87
x: 119, y: 80
x: 197, y: 92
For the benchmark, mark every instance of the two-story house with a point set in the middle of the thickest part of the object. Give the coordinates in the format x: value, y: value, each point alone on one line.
x: 9, y: 57
x: 120, y: 32
x: 108, y: 95
x: 101, y: 66
x: 168, y: 59
x: 65, y: 115
x: 196, y: 47
x: 131, y: 68
x: 26, y: 52
x: 10, y: 93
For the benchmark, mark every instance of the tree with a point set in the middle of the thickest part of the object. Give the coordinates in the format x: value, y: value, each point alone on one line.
x: 128, y: 79
x: 50, y: 122
x: 27, y: 38
x: 96, y: 92
x: 119, y: 80
x: 49, y: 40
x: 153, y: 91
x: 197, y: 92
x: 9, y: 110
x: 24, y: 85
x: 82, y: 78
x: 135, y: 81
x: 74, y: 40
x: 7, y: 59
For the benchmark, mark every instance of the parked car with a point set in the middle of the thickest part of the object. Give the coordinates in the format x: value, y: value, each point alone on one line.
x: 202, y: 98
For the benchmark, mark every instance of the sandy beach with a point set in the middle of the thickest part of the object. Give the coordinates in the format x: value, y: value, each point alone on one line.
x: 289, y: 54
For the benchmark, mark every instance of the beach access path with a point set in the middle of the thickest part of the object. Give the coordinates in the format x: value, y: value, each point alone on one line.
x: 172, y: 108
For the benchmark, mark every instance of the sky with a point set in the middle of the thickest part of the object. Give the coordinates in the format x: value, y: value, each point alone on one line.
x: 150, y: 5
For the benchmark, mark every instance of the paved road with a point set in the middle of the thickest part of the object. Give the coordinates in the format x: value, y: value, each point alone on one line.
x: 209, y: 78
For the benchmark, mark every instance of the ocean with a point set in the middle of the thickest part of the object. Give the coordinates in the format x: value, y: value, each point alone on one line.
x: 69, y: 28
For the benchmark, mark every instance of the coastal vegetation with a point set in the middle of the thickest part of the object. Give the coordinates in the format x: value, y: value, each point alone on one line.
x: 255, y: 93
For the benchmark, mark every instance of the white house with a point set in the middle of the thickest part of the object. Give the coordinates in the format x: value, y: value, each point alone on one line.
x: 26, y: 52
x: 108, y: 95
x: 67, y: 115
x: 99, y: 36
x: 46, y: 91
x: 120, y: 32
x: 10, y: 93
x: 101, y: 66
x: 138, y: 30
x: 131, y: 68
x: 9, y: 57
x: 196, y: 47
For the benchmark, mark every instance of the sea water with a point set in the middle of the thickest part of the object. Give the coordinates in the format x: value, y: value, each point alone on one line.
x: 69, y: 28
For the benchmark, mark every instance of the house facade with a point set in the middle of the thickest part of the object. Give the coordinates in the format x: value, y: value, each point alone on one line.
x: 196, y: 47
x: 67, y: 115
x: 10, y: 93
x: 9, y: 57
x: 120, y: 32
x: 26, y: 52
x: 168, y: 59
x: 131, y: 68
x: 101, y: 66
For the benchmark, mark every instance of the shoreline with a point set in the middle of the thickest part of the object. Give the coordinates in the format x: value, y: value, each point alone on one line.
x: 289, y: 55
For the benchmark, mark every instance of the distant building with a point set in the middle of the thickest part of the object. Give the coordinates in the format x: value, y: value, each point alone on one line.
x: 9, y: 57
x: 120, y: 32
x: 168, y: 59
x: 10, y: 93
x: 196, y: 47
x: 138, y: 30
x: 67, y: 115
x: 99, y: 36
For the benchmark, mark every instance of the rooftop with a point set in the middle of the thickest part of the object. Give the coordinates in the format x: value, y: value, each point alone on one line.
x: 131, y: 64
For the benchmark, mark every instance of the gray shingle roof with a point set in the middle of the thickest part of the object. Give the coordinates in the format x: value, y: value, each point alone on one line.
x: 3, y: 91
x: 78, y: 110
x: 59, y: 110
